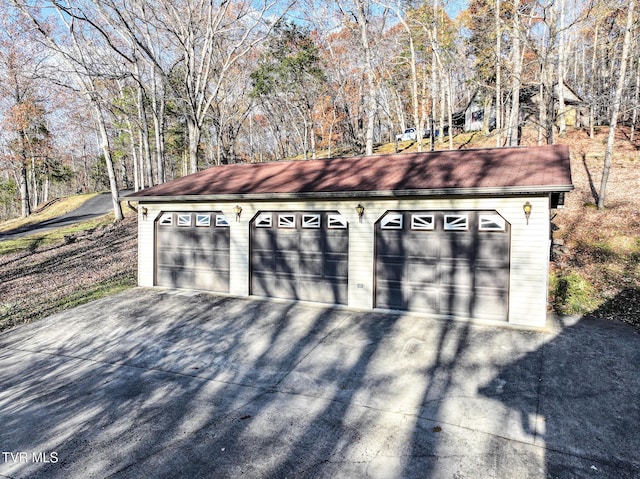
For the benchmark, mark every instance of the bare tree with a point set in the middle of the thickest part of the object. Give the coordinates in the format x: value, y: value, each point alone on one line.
x: 83, y: 62
x: 616, y: 104
x: 516, y: 77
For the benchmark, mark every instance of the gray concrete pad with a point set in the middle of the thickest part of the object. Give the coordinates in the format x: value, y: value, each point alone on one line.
x: 153, y: 383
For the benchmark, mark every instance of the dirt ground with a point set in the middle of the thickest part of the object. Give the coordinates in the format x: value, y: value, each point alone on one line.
x: 35, y: 284
x: 603, y: 246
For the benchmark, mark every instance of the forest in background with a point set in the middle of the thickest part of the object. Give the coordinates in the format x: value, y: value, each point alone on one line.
x: 114, y: 94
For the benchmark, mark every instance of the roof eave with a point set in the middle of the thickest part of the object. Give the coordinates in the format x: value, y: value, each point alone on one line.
x: 490, y: 191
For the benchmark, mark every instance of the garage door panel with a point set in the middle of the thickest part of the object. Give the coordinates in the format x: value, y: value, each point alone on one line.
x: 389, y: 297
x: 190, y: 256
x: 493, y: 247
x: 210, y: 280
x: 424, y: 300
x: 456, y: 244
x: 322, y: 292
x: 337, y: 243
x: 445, y: 267
x: 455, y: 302
x: 422, y: 272
x: 391, y: 242
x: 309, y: 261
x: 421, y: 245
x: 390, y: 268
x: 311, y: 264
x: 272, y: 286
x: 286, y: 262
x: 456, y: 274
x: 286, y: 240
x: 337, y: 267
x: 490, y: 304
x: 492, y: 277
x: 221, y: 262
x: 264, y: 262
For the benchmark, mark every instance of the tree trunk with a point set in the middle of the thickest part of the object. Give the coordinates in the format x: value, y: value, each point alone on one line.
x: 159, y: 106
x: 616, y: 106
x: 138, y: 184
x: 24, y: 189
x: 592, y: 88
x: 362, y: 7
x: 498, y: 76
x: 144, y: 135
x: 194, y: 143
x: 513, y: 138
x: 636, y: 97
x: 562, y: 119
x: 106, y: 151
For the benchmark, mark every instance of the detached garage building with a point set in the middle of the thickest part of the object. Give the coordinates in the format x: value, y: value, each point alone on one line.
x: 462, y: 234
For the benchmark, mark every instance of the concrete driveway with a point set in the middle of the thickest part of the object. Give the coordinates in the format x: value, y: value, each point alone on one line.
x: 154, y: 384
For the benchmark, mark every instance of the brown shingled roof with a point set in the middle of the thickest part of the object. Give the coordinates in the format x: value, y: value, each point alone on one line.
x: 535, y: 169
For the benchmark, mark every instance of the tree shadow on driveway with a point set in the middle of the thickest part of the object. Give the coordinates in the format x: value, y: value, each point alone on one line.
x: 153, y: 383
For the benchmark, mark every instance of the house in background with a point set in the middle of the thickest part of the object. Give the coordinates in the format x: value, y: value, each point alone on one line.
x: 454, y: 234
x: 479, y: 107
x: 475, y: 112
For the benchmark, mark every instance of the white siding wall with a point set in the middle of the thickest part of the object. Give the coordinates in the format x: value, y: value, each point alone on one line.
x: 529, y: 244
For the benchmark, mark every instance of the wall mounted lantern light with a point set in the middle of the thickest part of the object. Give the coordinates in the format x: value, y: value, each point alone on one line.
x: 360, y: 211
x: 238, y: 211
x: 527, y: 210
x: 145, y: 211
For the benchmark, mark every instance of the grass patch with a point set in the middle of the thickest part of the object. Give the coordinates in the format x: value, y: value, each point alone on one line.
x: 52, y: 237
x: 21, y: 312
x: 109, y: 287
x: 572, y: 294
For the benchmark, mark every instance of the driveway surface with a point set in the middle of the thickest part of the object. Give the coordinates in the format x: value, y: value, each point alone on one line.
x: 92, y: 208
x: 155, y: 384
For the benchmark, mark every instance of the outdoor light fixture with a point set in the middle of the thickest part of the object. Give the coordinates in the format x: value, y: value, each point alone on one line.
x: 144, y: 212
x: 238, y: 212
x: 527, y: 210
x: 360, y: 211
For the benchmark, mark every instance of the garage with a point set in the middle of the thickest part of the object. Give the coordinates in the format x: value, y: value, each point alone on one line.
x: 192, y: 251
x: 447, y: 263
x: 462, y: 234
x: 300, y: 255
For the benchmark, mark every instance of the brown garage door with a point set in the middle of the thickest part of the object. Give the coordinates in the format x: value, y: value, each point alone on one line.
x: 450, y: 263
x: 300, y: 255
x: 192, y: 251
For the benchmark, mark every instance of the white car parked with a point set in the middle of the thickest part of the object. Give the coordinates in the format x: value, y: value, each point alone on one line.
x: 408, y: 134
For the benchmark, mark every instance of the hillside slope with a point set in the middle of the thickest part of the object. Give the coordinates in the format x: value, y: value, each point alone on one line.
x: 84, y: 266
x: 596, y: 261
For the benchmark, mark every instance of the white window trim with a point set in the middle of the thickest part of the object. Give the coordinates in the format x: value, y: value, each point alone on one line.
x: 287, y: 220
x: 336, y: 221
x: 486, y: 219
x: 203, y: 219
x: 418, y: 222
x: 166, y: 219
x: 392, y: 221
x: 264, y: 220
x: 311, y: 220
x: 456, y: 222
x: 221, y: 220
x: 181, y: 220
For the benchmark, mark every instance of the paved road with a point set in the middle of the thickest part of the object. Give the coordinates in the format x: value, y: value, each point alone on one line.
x: 164, y: 384
x: 92, y: 208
